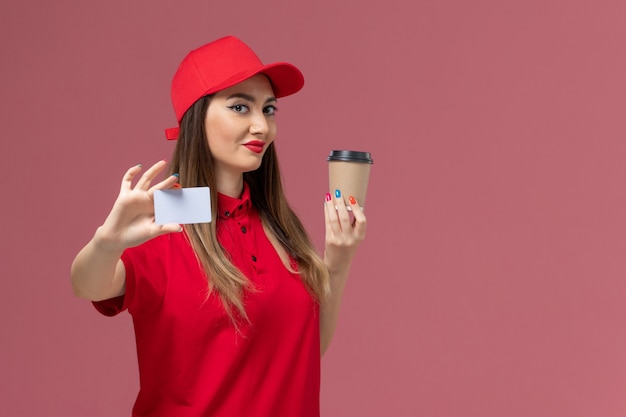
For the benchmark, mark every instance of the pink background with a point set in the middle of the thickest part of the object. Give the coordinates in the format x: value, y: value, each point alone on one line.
x: 492, y: 281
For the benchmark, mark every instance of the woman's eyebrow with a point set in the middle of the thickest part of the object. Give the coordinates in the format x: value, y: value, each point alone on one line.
x: 248, y: 97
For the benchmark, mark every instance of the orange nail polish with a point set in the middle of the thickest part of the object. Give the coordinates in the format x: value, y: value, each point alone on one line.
x: 352, y: 200
x: 177, y: 185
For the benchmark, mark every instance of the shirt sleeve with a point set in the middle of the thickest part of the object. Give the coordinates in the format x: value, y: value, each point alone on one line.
x: 110, y: 307
x: 116, y: 305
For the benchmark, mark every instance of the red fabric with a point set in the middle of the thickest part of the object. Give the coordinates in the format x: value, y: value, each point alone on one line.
x: 191, y: 360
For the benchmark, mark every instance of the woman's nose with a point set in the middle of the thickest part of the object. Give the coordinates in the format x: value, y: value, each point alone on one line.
x: 259, y: 124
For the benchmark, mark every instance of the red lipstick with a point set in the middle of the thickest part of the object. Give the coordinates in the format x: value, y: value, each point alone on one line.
x: 255, y: 146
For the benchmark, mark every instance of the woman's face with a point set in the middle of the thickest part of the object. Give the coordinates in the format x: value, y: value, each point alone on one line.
x: 240, y: 125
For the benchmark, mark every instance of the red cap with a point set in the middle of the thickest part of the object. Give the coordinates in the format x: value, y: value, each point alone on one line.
x: 221, y: 64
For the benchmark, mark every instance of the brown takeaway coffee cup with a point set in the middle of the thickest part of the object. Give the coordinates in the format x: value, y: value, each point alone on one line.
x: 348, y: 172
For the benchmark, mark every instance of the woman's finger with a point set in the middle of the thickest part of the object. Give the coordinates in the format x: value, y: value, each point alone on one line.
x: 149, y: 175
x: 171, y: 228
x: 342, y: 211
x: 330, y: 216
x: 360, y: 222
x: 166, y: 184
x: 128, y: 177
x: 328, y: 201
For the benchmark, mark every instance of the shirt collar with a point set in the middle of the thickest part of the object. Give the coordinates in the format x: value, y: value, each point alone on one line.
x: 229, y: 206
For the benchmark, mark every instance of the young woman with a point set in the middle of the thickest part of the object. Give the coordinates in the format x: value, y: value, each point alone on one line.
x: 231, y: 317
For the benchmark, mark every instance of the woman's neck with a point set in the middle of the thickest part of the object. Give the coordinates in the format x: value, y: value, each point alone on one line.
x: 230, y: 185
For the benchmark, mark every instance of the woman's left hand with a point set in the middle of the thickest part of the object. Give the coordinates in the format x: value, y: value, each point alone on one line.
x: 344, y: 232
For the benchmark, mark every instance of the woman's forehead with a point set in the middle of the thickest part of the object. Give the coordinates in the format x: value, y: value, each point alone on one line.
x: 258, y: 86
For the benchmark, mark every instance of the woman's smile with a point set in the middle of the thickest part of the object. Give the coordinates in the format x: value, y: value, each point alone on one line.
x: 255, y: 146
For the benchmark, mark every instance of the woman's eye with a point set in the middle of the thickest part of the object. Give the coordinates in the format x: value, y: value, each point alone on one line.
x: 270, y: 110
x: 239, y: 108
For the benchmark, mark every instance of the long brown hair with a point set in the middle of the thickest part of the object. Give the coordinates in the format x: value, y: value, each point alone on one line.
x: 194, y: 163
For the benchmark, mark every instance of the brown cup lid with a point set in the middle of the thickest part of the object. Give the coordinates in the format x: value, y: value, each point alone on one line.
x: 351, y: 156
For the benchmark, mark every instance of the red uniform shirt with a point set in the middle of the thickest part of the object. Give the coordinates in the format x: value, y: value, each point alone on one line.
x: 192, y: 362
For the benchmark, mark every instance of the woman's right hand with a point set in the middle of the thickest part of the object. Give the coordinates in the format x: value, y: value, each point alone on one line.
x: 131, y: 221
x: 97, y: 272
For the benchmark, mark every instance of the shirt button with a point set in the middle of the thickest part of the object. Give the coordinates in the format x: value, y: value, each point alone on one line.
x: 253, y: 258
x: 240, y: 206
x: 243, y: 229
x: 227, y: 213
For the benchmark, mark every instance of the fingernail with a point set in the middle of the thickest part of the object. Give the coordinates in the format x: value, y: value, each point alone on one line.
x: 352, y: 200
x: 177, y: 185
x: 176, y: 175
x: 328, y: 197
x: 337, y: 193
x: 139, y: 165
x: 180, y: 230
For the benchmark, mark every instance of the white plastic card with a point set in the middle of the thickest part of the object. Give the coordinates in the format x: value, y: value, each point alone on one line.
x: 183, y: 206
